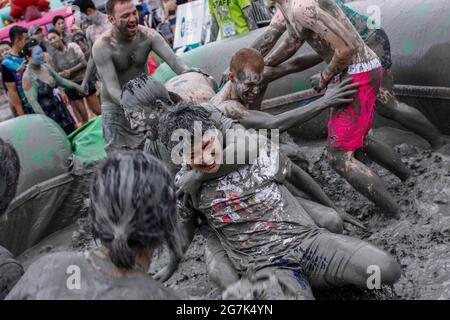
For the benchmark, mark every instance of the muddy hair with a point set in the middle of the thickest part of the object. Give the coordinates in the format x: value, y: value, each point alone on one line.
x: 110, y: 4
x: 133, y: 206
x: 247, y: 57
x: 143, y: 91
x: 183, y: 117
x: 9, y: 174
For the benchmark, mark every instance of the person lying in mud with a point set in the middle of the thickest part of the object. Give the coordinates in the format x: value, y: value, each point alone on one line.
x: 326, y: 28
x: 258, y: 221
x: 387, y: 103
x: 10, y: 269
x: 121, y: 54
x: 144, y: 100
x: 133, y: 212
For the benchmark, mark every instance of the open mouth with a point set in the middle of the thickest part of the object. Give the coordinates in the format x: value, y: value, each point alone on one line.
x: 132, y: 26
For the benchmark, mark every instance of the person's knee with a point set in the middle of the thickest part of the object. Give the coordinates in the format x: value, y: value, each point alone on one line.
x: 376, y: 263
x: 333, y: 223
x: 335, y: 159
x: 389, y: 269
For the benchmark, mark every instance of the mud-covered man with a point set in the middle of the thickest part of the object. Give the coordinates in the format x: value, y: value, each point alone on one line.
x: 326, y: 28
x: 261, y: 225
x: 120, y: 55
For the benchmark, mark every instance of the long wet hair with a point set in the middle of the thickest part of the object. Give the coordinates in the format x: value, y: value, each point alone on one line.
x: 133, y: 206
x: 9, y: 174
x: 184, y: 116
x: 143, y: 91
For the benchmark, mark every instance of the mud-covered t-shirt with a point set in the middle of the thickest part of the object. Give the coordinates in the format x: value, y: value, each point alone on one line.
x: 69, y: 58
x: 256, y: 218
x: 359, y: 21
x: 84, y: 276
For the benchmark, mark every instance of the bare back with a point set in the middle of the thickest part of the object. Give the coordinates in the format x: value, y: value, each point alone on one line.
x: 324, y: 25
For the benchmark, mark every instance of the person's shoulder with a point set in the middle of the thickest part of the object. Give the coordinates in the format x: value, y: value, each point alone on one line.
x: 148, y: 32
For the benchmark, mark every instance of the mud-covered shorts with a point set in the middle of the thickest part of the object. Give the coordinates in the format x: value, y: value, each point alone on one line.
x: 349, y: 124
x: 73, y: 94
x: 320, y: 262
x: 378, y: 41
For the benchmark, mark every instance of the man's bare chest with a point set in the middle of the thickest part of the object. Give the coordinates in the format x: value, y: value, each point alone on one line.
x: 130, y: 55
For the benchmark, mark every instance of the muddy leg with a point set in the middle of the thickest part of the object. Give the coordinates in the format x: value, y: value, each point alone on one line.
x: 371, y: 261
x: 386, y: 157
x: 363, y: 179
x: 218, y: 265
x: 410, y: 118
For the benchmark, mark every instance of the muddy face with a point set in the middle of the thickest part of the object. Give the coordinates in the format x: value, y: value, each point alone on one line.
x: 125, y: 18
x: 55, y: 41
x: 248, y: 86
x: 145, y: 120
x: 203, y: 155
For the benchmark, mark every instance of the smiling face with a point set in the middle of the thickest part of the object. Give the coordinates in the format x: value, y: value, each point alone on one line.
x: 204, y: 155
x: 248, y: 84
x: 55, y: 40
x: 145, y: 120
x: 125, y: 18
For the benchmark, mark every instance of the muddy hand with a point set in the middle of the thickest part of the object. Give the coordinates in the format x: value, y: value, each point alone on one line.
x: 224, y: 78
x: 341, y: 94
x: 188, y: 185
x: 165, y: 273
x: 349, y: 219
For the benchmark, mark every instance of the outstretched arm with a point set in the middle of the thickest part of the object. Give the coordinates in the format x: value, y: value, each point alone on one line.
x: 286, y: 120
x: 297, y: 63
x: 64, y: 83
x: 163, y: 50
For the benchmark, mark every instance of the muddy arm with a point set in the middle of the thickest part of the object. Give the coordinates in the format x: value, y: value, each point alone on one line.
x: 31, y: 92
x: 298, y: 63
x: 64, y: 83
x: 107, y: 71
x: 163, y: 50
x: 286, y: 49
x: 188, y: 227
x: 265, y: 42
x: 304, y: 182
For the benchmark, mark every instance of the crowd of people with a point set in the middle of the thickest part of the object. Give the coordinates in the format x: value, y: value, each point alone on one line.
x: 273, y: 232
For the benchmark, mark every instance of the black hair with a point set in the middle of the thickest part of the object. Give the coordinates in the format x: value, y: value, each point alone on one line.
x: 183, y: 117
x: 84, y: 5
x: 79, y: 36
x: 56, y: 19
x: 9, y: 174
x: 15, y: 32
x: 133, y: 206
